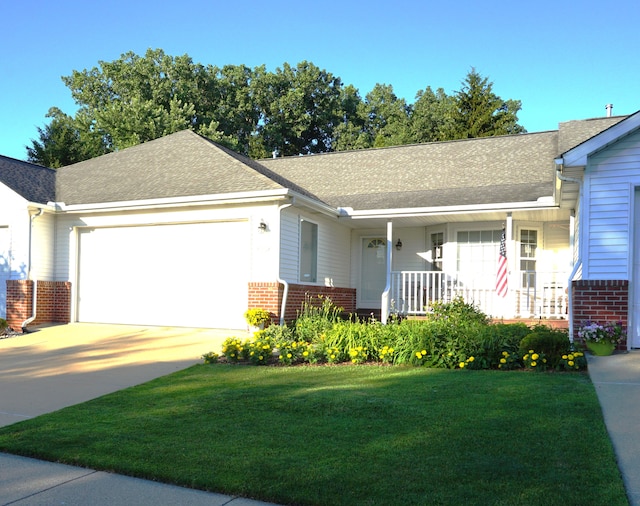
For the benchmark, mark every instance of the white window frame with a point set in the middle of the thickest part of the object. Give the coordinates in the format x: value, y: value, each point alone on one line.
x: 312, y: 260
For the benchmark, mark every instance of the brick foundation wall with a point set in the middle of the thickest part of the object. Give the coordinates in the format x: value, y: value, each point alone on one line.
x: 269, y: 296
x: 602, y: 301
x: 53, y: 304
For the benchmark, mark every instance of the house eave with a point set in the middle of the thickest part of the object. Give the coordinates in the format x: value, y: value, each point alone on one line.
x: 541, y: 204
x: 577, y: 157
x: 190, y: 201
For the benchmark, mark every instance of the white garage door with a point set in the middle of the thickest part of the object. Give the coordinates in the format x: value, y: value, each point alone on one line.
x: 191, y: 275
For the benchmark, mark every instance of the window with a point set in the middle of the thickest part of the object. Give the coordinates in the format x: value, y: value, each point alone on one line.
x: 308, y: 251
x: 478, y: 252
x: 528, y: 247
x: 437, y: 244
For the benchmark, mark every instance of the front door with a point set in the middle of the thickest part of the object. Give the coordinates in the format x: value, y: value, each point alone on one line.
x: 373, y: 276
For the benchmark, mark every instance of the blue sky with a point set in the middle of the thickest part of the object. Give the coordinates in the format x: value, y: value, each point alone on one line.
x: 563, y: 59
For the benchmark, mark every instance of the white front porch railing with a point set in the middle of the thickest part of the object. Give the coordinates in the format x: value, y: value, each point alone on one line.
x: 531, y: 294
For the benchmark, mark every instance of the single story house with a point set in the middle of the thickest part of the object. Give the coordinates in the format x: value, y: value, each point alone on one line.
x: 181, y: 231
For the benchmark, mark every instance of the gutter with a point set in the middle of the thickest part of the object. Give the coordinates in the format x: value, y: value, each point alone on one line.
x: 285, y: 284
x: 578, y: 262
x: 34, y: 300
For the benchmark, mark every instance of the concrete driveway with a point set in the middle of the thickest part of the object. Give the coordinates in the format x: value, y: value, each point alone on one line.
x: 62, y: 365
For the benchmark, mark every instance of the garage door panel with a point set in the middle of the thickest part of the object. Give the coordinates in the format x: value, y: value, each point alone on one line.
x: 184, y: 275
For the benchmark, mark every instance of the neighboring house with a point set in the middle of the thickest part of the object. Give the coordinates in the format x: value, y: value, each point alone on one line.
x: 26, y: 235
x: 181, y: 231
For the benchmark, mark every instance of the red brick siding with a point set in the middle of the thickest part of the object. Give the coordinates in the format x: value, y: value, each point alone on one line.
x: 269, y: 296
x: 53, y: 304
x: 601, y: 301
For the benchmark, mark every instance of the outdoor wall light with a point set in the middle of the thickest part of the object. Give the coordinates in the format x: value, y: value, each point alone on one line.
x: 262, y: 226
x: 399, y: 245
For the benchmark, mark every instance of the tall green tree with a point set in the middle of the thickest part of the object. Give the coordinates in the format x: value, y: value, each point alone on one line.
x: 300, y: 108
x: 65, y: 140
x: 432, y: 116
x: 295, y: 110
x: 479, y: 112
x: 387, y: 117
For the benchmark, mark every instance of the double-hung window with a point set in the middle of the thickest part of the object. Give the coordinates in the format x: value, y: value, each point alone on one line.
x: 308, y: 251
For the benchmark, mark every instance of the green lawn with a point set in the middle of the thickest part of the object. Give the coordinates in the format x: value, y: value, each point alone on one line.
x: 346, y: 435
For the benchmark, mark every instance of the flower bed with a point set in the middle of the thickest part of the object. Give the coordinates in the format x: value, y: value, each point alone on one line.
x: 456, y: 336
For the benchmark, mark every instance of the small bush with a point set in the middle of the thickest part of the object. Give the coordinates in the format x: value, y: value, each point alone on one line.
x: 458, y: 311
x: 551, y: 343
x: 233, y: 349
x: 211, y: 357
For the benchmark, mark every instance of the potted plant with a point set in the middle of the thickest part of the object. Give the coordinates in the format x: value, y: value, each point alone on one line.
x: 257, y: 318
x: 601, y: 339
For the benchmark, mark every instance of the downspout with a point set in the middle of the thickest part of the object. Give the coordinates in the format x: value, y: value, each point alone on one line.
x: 578, y: 262
x: 384, y: 310
x: 34, y: 300
x: 285, y: 284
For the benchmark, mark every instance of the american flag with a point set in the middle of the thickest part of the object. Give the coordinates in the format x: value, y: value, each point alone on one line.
x: 502, y: 284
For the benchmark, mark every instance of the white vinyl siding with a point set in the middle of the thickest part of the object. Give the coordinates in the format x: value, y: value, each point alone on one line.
x: 610, y: 179
x: 333, y: 267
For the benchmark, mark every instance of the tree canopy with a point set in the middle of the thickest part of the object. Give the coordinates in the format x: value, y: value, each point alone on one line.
x: 293, y: 110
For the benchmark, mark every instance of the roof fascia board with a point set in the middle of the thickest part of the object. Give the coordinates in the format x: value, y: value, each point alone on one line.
x: 217, y: 199
x: 577, y: 157
x: 302, y: 200
x: 431, y: 211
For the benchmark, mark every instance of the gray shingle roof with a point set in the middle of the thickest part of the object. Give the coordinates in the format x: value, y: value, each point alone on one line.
x: 33, y: 182
x: 483, y: 171
x: 572, y: 133
x: 475, y: 171
x: 179, y: 165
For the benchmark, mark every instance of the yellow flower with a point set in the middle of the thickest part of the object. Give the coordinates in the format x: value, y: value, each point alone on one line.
x: 570, y: 357
x: 424, y: 352
x: 533, y: 364
x: 530, y: 351
x: 503, y: 360
x: 260, y: 357
x: 288, y: 355
x: 471, y: 359
x: 564, y: 357
x: 570, y: 363
x: 418, y: 354
x: 505, y: 353
x: 305, y: 353
x: 535, y: 356
x: 461, y: 365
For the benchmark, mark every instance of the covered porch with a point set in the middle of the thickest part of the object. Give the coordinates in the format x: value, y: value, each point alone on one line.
x: 533, y: 294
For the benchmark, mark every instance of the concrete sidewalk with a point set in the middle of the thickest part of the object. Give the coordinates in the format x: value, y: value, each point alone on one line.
x: 29, y: 482
x: 617, y: 382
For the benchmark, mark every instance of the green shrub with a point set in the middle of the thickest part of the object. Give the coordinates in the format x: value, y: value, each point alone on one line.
x: 210, y: 357
x: 551, y: 343
x: 458, y: 311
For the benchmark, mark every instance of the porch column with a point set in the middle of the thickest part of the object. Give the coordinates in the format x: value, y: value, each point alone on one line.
x: 509, y: 309
x: 384, y: 308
